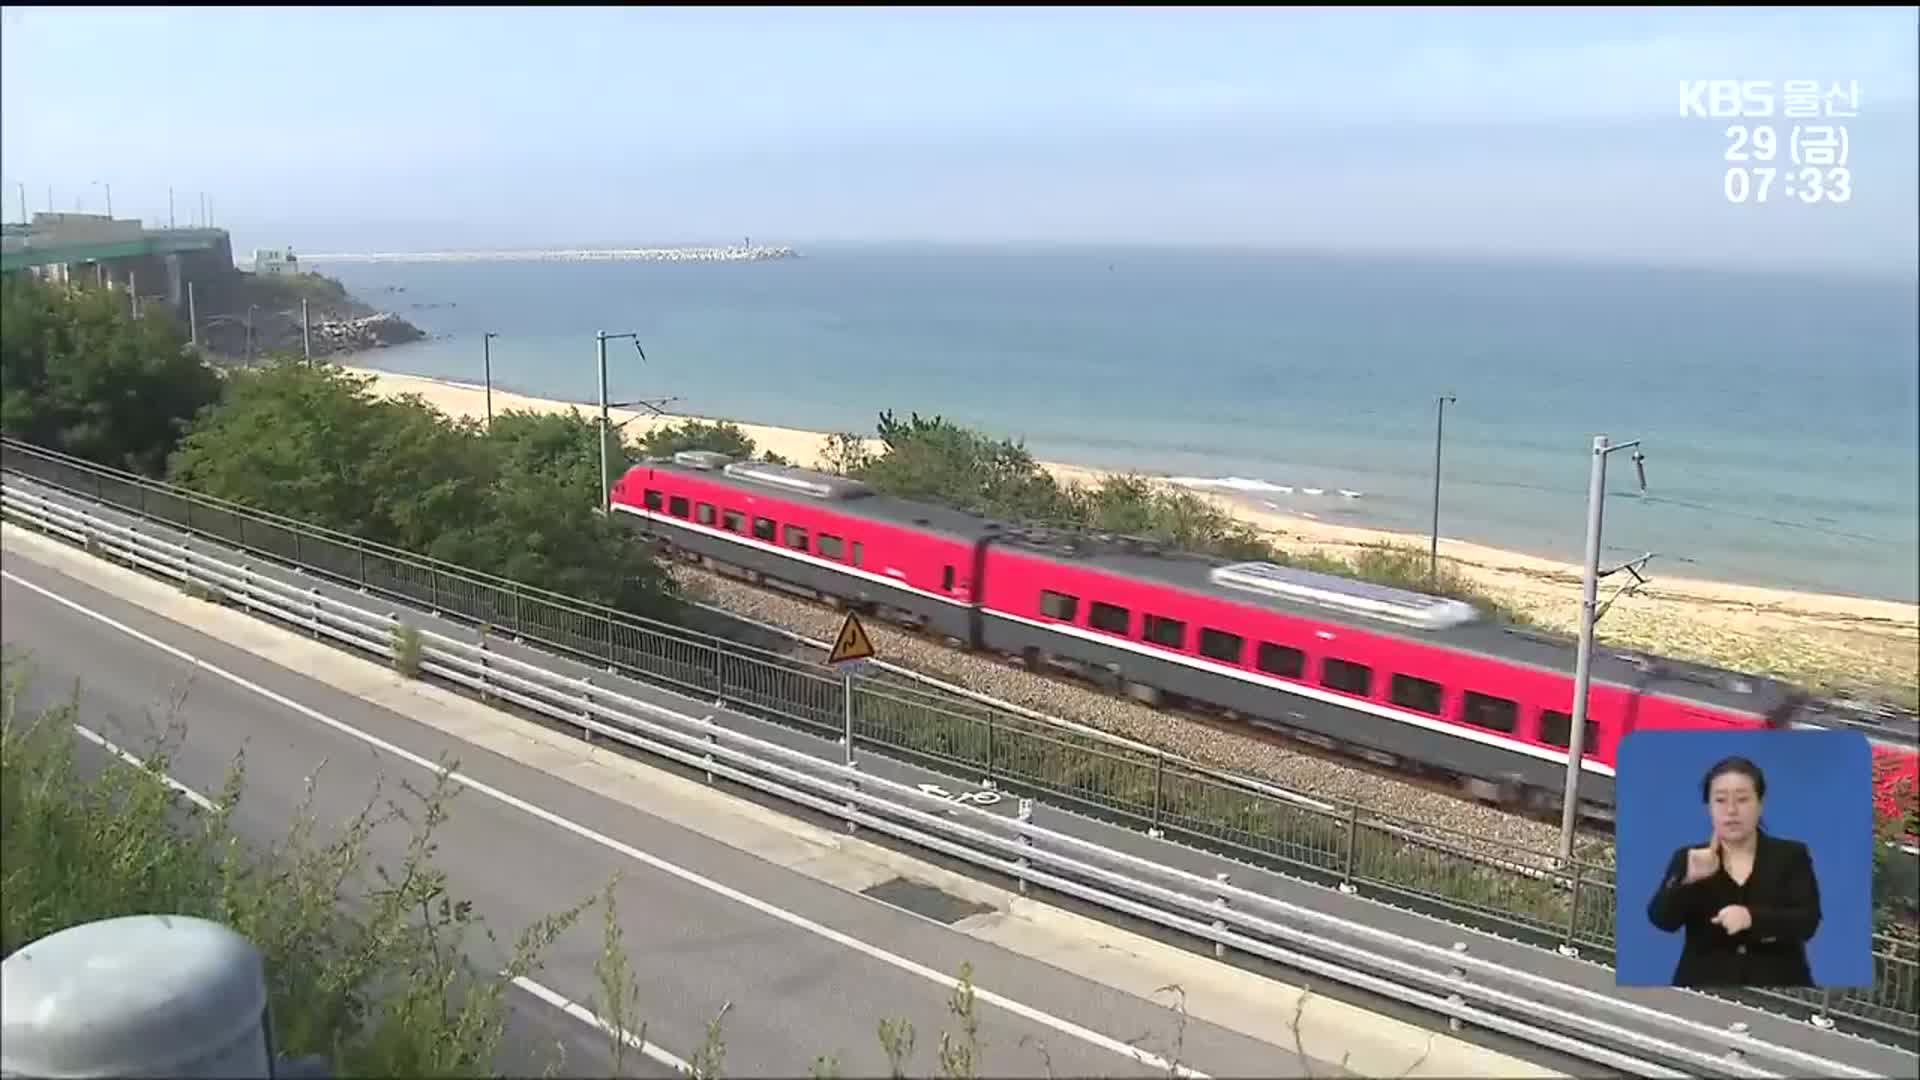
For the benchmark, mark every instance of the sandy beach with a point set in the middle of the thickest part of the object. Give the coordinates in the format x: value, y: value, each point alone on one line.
x: 1812, y: 638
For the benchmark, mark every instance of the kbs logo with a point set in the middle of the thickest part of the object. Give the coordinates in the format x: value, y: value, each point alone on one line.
x: 1726, y: 97
x: 1755, y: 99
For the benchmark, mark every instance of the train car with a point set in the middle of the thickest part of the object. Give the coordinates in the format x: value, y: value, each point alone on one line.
x: 1406, y: 680
x: 823, y: 534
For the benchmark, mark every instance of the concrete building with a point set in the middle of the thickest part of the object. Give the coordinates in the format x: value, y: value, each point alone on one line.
x: 275, y: 261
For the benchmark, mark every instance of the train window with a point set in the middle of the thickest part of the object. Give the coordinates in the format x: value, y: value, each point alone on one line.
x: 1420, y: 695
x: 1493, y: 713
x: 1114, y: 620
x: 654, y: 499
x: 856, y: 553
x: 763, y: 528
x: 1281, y: 660
x: 796, y: 538
x: 1555, y: 726
x: 830, y: 546
x: 946, y: 578
x: 703, y: 513
x: 1058, y: 605
x: 733, y: 520
x: 1347, y: 676
x: 677, y: 506
x: 1164, y: 631
x: 1220, y: 645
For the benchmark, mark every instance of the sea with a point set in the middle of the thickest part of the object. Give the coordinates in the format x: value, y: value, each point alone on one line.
x: 1778, y: 415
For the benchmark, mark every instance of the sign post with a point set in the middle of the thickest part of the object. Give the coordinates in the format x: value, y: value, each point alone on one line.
x: 852, y: 648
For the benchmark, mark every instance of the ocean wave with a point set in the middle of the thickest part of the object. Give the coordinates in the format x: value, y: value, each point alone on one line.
x: 1246, y: 485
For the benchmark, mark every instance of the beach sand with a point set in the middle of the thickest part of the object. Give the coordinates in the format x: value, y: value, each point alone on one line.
x: 1814, y: 638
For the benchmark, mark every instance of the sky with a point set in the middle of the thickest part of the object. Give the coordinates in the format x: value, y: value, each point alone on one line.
x: 1539, y: 132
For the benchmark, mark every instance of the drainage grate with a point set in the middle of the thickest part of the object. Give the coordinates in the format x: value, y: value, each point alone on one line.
x: 942, y: 907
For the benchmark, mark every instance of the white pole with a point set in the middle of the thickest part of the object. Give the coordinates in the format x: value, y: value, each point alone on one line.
x: 846, y: 682
x: 193, y: 318
x: 1583, y: 669
x: 306, y: 332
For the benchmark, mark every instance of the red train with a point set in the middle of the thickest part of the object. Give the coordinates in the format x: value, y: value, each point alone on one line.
x: 1400, y: 678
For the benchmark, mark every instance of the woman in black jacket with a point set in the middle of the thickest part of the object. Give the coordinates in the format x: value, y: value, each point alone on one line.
x: 1749, y: 902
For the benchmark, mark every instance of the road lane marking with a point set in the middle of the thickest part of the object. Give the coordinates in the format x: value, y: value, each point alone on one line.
x: 584, y: 1015
x: 550, y: 996
x: 801, y: 922
x: 107, y: 744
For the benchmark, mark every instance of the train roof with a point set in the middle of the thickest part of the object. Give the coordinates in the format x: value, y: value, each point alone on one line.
x: 1383, y: 609
x: 832, y: 492
x: 1357, y: 604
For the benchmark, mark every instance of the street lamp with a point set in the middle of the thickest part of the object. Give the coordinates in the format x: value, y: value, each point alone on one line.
x: 486, y: 350
x: 1439, y: 424
x: 1589, y: 614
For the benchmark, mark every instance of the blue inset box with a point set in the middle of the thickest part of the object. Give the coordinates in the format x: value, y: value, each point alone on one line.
x: 1745, y: 858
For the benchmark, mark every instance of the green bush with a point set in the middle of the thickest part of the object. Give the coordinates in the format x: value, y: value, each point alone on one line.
x: 366, y: 964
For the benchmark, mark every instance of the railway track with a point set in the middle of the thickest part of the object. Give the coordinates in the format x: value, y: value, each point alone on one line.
x: 1591, y: 825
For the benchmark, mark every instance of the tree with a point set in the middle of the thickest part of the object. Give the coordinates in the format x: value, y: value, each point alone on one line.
x: 79, y: 373
x: 718, y: 435
x: 941, y: 461
x: 318, y: 445
x: 542, y: 524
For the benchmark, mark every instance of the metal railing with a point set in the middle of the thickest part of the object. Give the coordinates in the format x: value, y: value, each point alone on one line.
x: 1609, y: 1030
x: 1524, y: 894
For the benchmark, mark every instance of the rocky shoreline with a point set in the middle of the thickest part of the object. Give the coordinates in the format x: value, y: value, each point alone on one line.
x: 376, y: 331
x: 337, y: 322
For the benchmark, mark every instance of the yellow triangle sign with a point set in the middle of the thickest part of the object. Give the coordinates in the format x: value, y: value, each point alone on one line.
x: 853, y: 642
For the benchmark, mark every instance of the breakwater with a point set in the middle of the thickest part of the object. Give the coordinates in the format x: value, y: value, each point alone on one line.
x: 694, y: 254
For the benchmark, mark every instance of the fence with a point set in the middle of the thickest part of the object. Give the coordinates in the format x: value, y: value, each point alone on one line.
x: 1608, y: 1030
x: 1522, y: 895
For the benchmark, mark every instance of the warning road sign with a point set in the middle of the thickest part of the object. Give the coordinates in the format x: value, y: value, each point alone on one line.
x: 853, y: 644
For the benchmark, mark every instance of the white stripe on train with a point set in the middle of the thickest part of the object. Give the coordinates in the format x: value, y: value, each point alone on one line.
x: 1314, y: 693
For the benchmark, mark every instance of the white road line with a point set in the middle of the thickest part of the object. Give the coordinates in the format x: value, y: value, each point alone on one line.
x: 106, y: 744
x: 581, y: 1013
x: 551, y: 997
x: 1020, y: 1009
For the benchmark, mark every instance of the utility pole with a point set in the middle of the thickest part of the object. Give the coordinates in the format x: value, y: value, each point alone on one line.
x: 133, y: 290
x: 24, y: 219
x: 193, y: 318
x: 606, y: 419
x: 169, y: 207
x: 306, y: 332
x: 109, y: 188
x: 606, y: 426
x: 1589, y: 596
x: 486, y: 350
x: 1439, y: 425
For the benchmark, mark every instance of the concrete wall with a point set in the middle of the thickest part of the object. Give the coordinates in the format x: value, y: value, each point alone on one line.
x: 52, y: 229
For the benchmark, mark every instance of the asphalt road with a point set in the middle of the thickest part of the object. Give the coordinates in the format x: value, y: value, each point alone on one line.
x: 808, y: 969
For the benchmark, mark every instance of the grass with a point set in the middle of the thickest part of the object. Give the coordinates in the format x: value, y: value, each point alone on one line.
x: 367, y: 964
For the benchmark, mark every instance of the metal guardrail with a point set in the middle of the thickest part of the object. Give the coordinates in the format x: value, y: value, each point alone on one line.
x: 1409, y: 864
x: 1640, y: 1039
